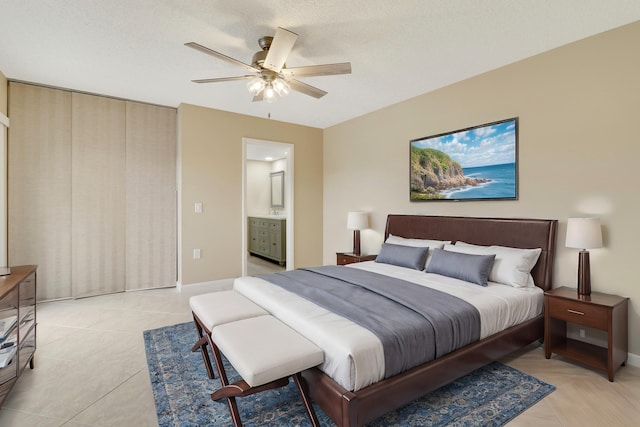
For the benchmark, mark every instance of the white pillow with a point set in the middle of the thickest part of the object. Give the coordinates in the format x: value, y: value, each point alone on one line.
x: 418, y: 243
x: 512, y: 266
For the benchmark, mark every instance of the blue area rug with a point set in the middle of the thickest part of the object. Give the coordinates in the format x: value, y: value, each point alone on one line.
x: 490, y: 396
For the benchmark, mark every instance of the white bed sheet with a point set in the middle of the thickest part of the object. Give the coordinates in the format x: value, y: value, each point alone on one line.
x: 354, y: 357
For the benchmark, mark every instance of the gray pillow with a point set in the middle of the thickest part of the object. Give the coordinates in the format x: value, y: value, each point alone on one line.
x: 403, y: 256
x: 467, y: 267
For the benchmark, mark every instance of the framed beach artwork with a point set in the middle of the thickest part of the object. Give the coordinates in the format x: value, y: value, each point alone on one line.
x: 477, y: 163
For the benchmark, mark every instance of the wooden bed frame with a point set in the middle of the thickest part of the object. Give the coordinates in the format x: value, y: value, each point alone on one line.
x: 350, y: 409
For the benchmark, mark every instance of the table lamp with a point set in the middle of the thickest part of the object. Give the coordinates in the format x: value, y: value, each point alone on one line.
x: 584, y: 233
x: 357, y: 221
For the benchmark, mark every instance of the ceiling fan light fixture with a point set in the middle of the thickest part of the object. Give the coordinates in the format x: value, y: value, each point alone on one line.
x: 281, y: 87
x: 269, y: 93
x: 270, y: 78
x: 256, y: 85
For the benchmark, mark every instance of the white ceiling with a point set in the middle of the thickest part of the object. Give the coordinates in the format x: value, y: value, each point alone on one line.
x: 398, y: 49
x: 265, y: 152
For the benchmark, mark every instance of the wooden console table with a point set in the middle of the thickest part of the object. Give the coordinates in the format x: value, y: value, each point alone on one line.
x: 17, y: 302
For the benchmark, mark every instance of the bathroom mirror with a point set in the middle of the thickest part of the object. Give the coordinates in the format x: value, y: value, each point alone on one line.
x: 277, y: 189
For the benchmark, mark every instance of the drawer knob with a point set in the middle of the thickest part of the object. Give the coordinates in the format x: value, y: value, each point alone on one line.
x: 575, y: 312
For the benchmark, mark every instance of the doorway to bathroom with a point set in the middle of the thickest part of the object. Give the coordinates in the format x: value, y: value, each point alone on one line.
x: 267, y: 206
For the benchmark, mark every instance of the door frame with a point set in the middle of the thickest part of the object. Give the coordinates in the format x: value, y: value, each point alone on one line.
x: 4, y: 126
x: 288, y: 199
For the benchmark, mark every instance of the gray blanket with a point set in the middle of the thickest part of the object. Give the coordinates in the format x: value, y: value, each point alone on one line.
x: 415, y: 324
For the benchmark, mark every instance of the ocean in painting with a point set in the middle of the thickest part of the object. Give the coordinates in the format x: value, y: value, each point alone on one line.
x: 502, y: 184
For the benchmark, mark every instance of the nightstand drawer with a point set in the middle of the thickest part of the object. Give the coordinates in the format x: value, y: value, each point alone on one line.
x: 583, y: 314
x: 344, y: 260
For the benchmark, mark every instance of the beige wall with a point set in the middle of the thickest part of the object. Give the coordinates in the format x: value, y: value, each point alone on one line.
x: 210, y: 171
x: 258, y: 201
x: 578, y: 152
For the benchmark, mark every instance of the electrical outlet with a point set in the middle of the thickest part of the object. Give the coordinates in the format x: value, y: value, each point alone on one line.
x: 196, y: 254
x: 582, y: 333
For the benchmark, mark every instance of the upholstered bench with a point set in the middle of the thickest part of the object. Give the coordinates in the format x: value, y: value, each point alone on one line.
x: 265, y: 352
x: 217, y: 308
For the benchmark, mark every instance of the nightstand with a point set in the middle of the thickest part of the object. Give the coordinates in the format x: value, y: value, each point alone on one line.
x: 344, y: 258
x: 599, y: 311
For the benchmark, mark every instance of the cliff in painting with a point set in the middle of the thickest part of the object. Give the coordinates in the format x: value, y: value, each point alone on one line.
x: 433, y: 172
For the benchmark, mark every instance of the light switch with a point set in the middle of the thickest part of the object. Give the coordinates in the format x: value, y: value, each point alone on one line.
x: 198, y: 207
x: 196, y: 254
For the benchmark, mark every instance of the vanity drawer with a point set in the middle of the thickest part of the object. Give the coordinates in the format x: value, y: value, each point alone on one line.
x: 275, y: 225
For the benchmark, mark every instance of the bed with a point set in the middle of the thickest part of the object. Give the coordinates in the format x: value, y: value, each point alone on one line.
x: 362, y: 400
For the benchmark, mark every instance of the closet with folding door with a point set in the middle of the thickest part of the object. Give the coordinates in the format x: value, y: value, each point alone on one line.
x: 92, y: 191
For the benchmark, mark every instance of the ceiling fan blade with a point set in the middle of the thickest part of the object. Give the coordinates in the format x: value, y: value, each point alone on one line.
x: 306, y: 89
x: 280, y: 49
x: 223, y: 79
x: 222, y: 56
x: 317, y: 70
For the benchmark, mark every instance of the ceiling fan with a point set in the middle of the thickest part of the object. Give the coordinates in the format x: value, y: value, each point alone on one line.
x: 270, y: 77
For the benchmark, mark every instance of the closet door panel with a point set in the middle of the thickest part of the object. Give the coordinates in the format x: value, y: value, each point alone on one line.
x: 98, y: 202
x: 39, y: 159
x: 151, y: 196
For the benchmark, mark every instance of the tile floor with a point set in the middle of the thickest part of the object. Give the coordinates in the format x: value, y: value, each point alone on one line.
x: 90, y: 365
x: 257, y: 265
x: 90, y: 369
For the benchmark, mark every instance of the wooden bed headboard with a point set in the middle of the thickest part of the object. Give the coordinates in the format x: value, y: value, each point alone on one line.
x: 513, y: 232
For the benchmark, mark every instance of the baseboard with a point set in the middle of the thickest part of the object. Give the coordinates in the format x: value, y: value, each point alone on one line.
x: 633, y: 360
x: 211, y: 286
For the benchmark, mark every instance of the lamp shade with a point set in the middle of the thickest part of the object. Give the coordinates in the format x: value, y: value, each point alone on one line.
x: 357, y: 220
x: 584, y: 233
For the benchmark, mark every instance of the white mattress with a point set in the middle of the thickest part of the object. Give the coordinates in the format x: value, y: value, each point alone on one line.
x: 353, y: 355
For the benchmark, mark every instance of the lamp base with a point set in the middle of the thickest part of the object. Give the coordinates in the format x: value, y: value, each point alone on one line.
x: 356, y: 242
x: 584, y: 273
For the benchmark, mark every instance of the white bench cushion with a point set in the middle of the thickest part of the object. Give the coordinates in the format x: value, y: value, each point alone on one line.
x: 263, y: 349
x: 217, y: 308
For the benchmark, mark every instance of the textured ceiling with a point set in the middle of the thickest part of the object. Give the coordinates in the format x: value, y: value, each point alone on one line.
x: 398, y: 49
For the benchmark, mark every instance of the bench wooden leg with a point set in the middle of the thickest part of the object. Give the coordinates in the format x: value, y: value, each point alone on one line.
x: 241, y: 388
x: 229, y: 335
x: 231, y: 400
x: 233, y: 410
x: 306, y: 400
x: 224, y: 382
x: 201, y: 344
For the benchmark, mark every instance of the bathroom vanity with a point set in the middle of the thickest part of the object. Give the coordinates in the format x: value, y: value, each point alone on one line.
x: 267, y: 237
